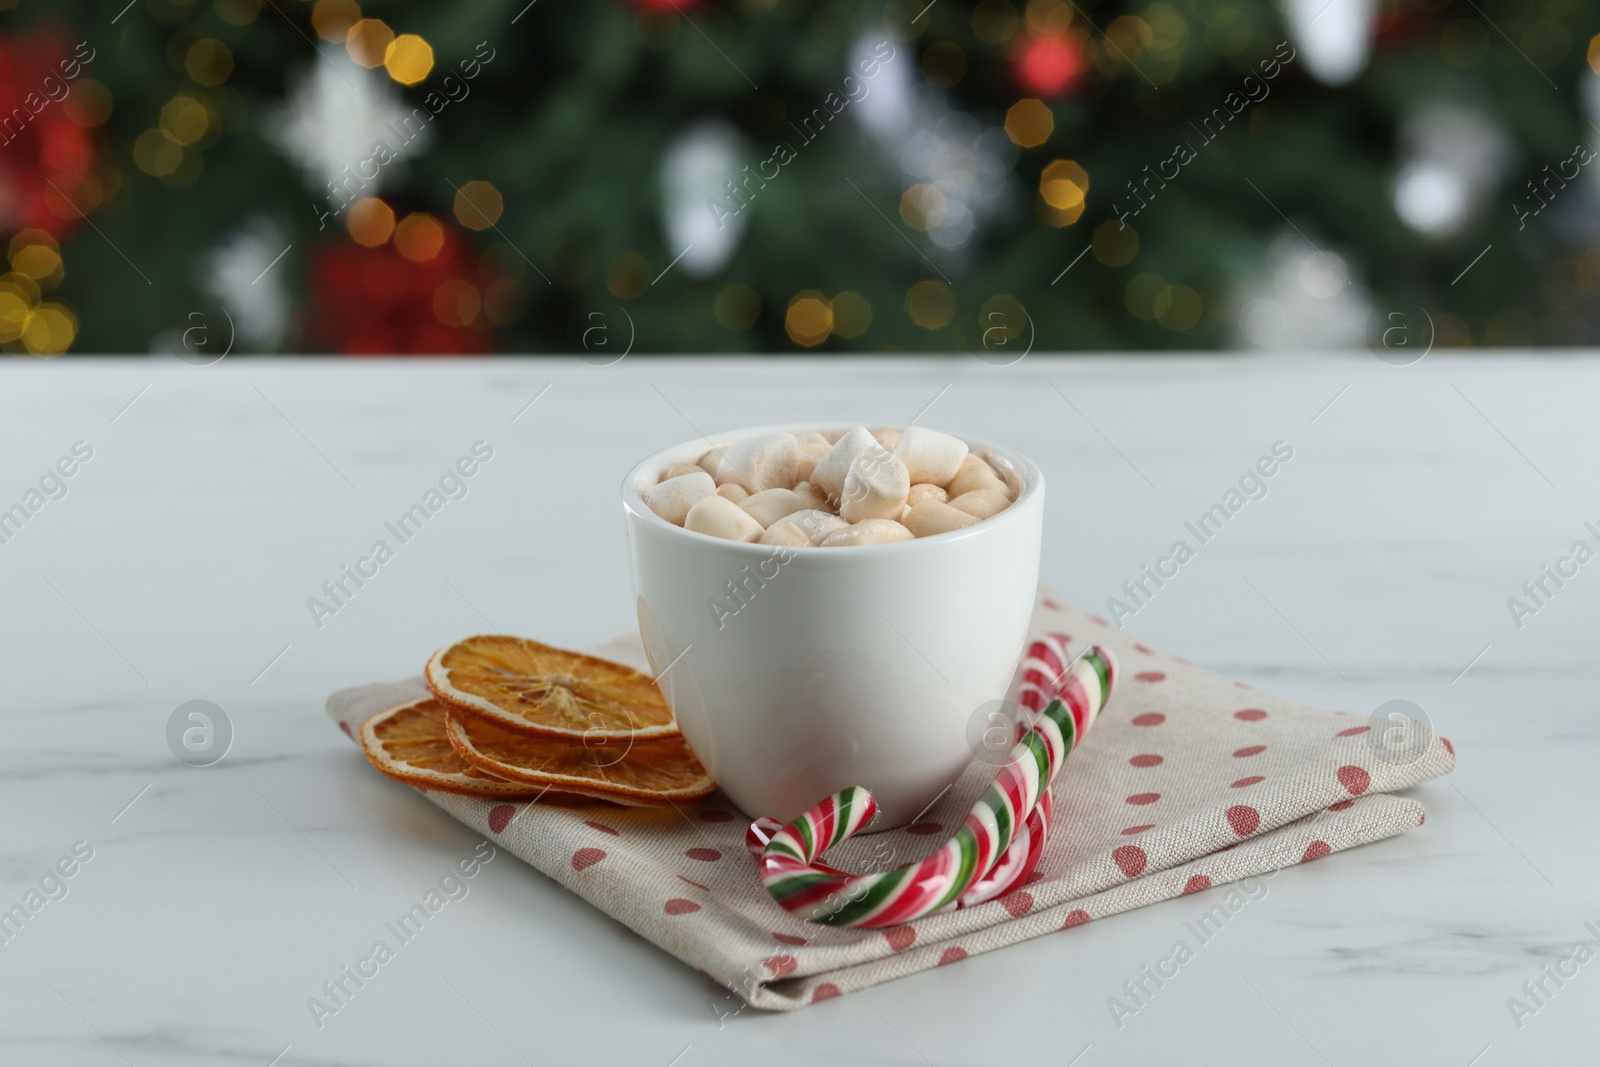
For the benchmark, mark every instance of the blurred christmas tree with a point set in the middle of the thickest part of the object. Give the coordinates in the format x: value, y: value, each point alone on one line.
x: 689, y: 175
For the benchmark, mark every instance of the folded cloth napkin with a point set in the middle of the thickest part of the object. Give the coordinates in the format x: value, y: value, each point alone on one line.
x: 1187, y: 781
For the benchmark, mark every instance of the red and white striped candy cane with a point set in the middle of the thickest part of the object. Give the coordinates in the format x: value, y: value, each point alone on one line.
x: 997, y: 845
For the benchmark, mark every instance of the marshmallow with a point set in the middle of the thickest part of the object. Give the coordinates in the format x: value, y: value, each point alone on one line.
x: 678, y: 470
x: 786, y: 533
x: 735, y: 493
x: 810, y: 452
x: 975, y: 474
x: 673, y: 498
x: 934, y: 517
x: 981, y: 503
x: 830, y: 471
x: 812, y: 525
x: 887, y: 438
x: 923, y: 491
x: 931, y: 456
x: 812, y: 437
x: 831, y: 436
x: 770, y: 505
x: 720, y: 517
x: 759, y: 463
x: 867, y: 532
x: 814, y: 498
x: 875, y: 488
x: 708, y: 462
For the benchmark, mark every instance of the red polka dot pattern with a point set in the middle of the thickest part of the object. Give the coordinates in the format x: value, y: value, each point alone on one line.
x: 602, y: 827
x: 922, y: 829
x: 1137, y: 829
x: 1249, y: 750
x: 587, y: 857
x: 780, y: 965
x: 1353, y: 731
x: 1146, y: 759
x: 900, y: 938
x: 1149, y: 718
x: 1252, y: 780
x: 1341, y: 805
x: 679, y: 906
x: 697, y: 885
x: 1315, y: 851
x: 1075, y: 917
x: 1151, y: 676
x: 1196, y: 884
x: 953, y: 954
x: 346, y: 728
x: 1146, y: 649
x: 1244, y: 819
x: 789, y: 939
x: 1131, y: 859
x: 1144, y: 798
x: 1448, y: 747
x: 1250, y: 715
x: 704, y: 855
x: 1018, y: 903
x: 1354, y: 779
x: 500, y: 817
x: 824, y: 991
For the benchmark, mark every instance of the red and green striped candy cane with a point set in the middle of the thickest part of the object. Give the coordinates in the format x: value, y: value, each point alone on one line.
x: 1066, y: 696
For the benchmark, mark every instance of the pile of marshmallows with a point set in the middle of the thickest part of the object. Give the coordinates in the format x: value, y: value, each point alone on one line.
x: 833, y: 490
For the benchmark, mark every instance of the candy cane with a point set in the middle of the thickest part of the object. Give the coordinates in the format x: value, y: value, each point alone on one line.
x: 1066, y: 696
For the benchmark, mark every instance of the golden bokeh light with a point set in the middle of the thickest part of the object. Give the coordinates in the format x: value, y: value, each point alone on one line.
x: 49, y: 330
x: 1178, y: 307
x: 930, y: 304
x: 156, y: 154
x: 368, y: 42
x: 184, y: 120
x: 370, y: 222
x: 89, y: 104
x: 479, y: 205
x: 208, y: 61
x: 809, y: 320
x: 852, y: 315
x: 1115, y: 243
x: 419, y: 236
x: 332, y: 19
x: 1063, y: 189
x: 408, y: 59
x: 1029, y: 123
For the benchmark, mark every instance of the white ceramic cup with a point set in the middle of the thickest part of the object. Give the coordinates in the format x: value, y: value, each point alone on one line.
x: 834, y: 667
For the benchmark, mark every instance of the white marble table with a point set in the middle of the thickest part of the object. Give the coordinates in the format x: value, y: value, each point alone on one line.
x: 218, y: 899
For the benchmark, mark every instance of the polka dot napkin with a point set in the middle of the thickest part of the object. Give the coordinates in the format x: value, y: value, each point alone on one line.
x: 1187, y: 781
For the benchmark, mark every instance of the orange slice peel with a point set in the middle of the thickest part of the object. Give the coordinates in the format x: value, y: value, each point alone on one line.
x: 407, y: 743
x: 632, y: 772
x: 536, y: 689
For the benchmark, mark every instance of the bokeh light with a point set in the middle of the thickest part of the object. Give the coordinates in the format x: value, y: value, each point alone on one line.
x: 809, y: 320
x: 370, y: 222
x: 419, y: 236
x: 1030, y: 122
x: 479, y: 205
x: 930, y: 304
x: 408, y: 59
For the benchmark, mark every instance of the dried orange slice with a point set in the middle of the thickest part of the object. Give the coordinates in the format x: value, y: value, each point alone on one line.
x: 530, y: 687
x: 647, y: 772
x: 407, y: 742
